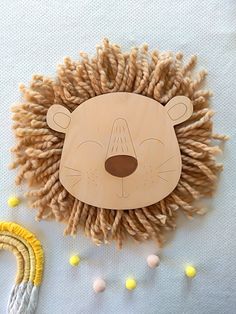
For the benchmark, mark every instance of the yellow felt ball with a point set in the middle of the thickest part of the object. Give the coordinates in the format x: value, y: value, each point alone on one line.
x: 190, y: 271
x: 13, y: 201
x: 74, y: 260
x: 130, y: 284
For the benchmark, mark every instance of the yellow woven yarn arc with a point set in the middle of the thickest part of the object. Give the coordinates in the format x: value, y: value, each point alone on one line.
x: 19, y: 232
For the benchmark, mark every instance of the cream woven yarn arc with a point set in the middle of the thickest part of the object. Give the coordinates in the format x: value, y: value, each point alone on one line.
x: 158, y: 75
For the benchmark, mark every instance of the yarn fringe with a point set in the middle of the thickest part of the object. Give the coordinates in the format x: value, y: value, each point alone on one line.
x: 23, y: 299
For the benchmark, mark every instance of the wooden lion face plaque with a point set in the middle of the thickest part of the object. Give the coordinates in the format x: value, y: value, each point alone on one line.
x: 120, y: 149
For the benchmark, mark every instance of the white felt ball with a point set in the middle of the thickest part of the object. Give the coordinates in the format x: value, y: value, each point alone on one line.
x: 153, y: 261
x: 99, y: 285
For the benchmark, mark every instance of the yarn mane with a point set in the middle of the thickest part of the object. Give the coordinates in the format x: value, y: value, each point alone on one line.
x: 158, y: 75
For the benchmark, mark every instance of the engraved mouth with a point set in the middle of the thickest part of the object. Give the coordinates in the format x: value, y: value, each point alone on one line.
x: 123, y: 194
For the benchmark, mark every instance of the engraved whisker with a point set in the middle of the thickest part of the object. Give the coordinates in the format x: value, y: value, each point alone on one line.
x: 167, y: 171
x: 72, y: 168
x: 73, y: 175
x: 165, y: 162
x: 162, y: 178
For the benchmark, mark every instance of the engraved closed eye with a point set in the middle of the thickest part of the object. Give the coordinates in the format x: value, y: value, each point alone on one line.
x: 151, y: 139
x: 90, y: 141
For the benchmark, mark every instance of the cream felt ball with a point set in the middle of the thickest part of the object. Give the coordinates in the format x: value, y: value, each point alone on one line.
x: 99, y: 285
x: 153, y: 261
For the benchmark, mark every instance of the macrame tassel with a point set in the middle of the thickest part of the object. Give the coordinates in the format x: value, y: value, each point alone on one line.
x: 23, y: 299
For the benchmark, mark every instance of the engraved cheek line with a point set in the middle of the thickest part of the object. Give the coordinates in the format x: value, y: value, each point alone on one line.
x: 151, y: 139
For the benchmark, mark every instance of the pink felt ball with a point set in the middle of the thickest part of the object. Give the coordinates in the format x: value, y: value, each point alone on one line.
x: 99, y: 285
x: 153, y: 261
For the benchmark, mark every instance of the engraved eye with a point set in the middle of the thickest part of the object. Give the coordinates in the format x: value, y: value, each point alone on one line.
x: 151, y: 139
x: 92, y: 142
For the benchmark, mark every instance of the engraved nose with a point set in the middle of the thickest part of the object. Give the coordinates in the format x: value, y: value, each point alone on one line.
x: 121, y: 165
x: 121, y: 159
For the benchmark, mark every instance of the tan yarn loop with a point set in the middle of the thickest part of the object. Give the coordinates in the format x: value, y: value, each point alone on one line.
x: 18, y: 245
x: 26, y: 249
x: 19, y: 258
x: 158, y: 75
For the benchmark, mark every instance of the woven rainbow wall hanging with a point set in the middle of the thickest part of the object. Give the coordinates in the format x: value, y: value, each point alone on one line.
x: 30, y: 259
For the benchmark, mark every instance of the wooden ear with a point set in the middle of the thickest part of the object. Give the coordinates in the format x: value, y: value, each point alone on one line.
x: 58, y: 118
x: 179, y: 109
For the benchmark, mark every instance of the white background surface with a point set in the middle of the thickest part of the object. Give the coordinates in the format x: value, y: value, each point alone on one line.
x: 34, y: 36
